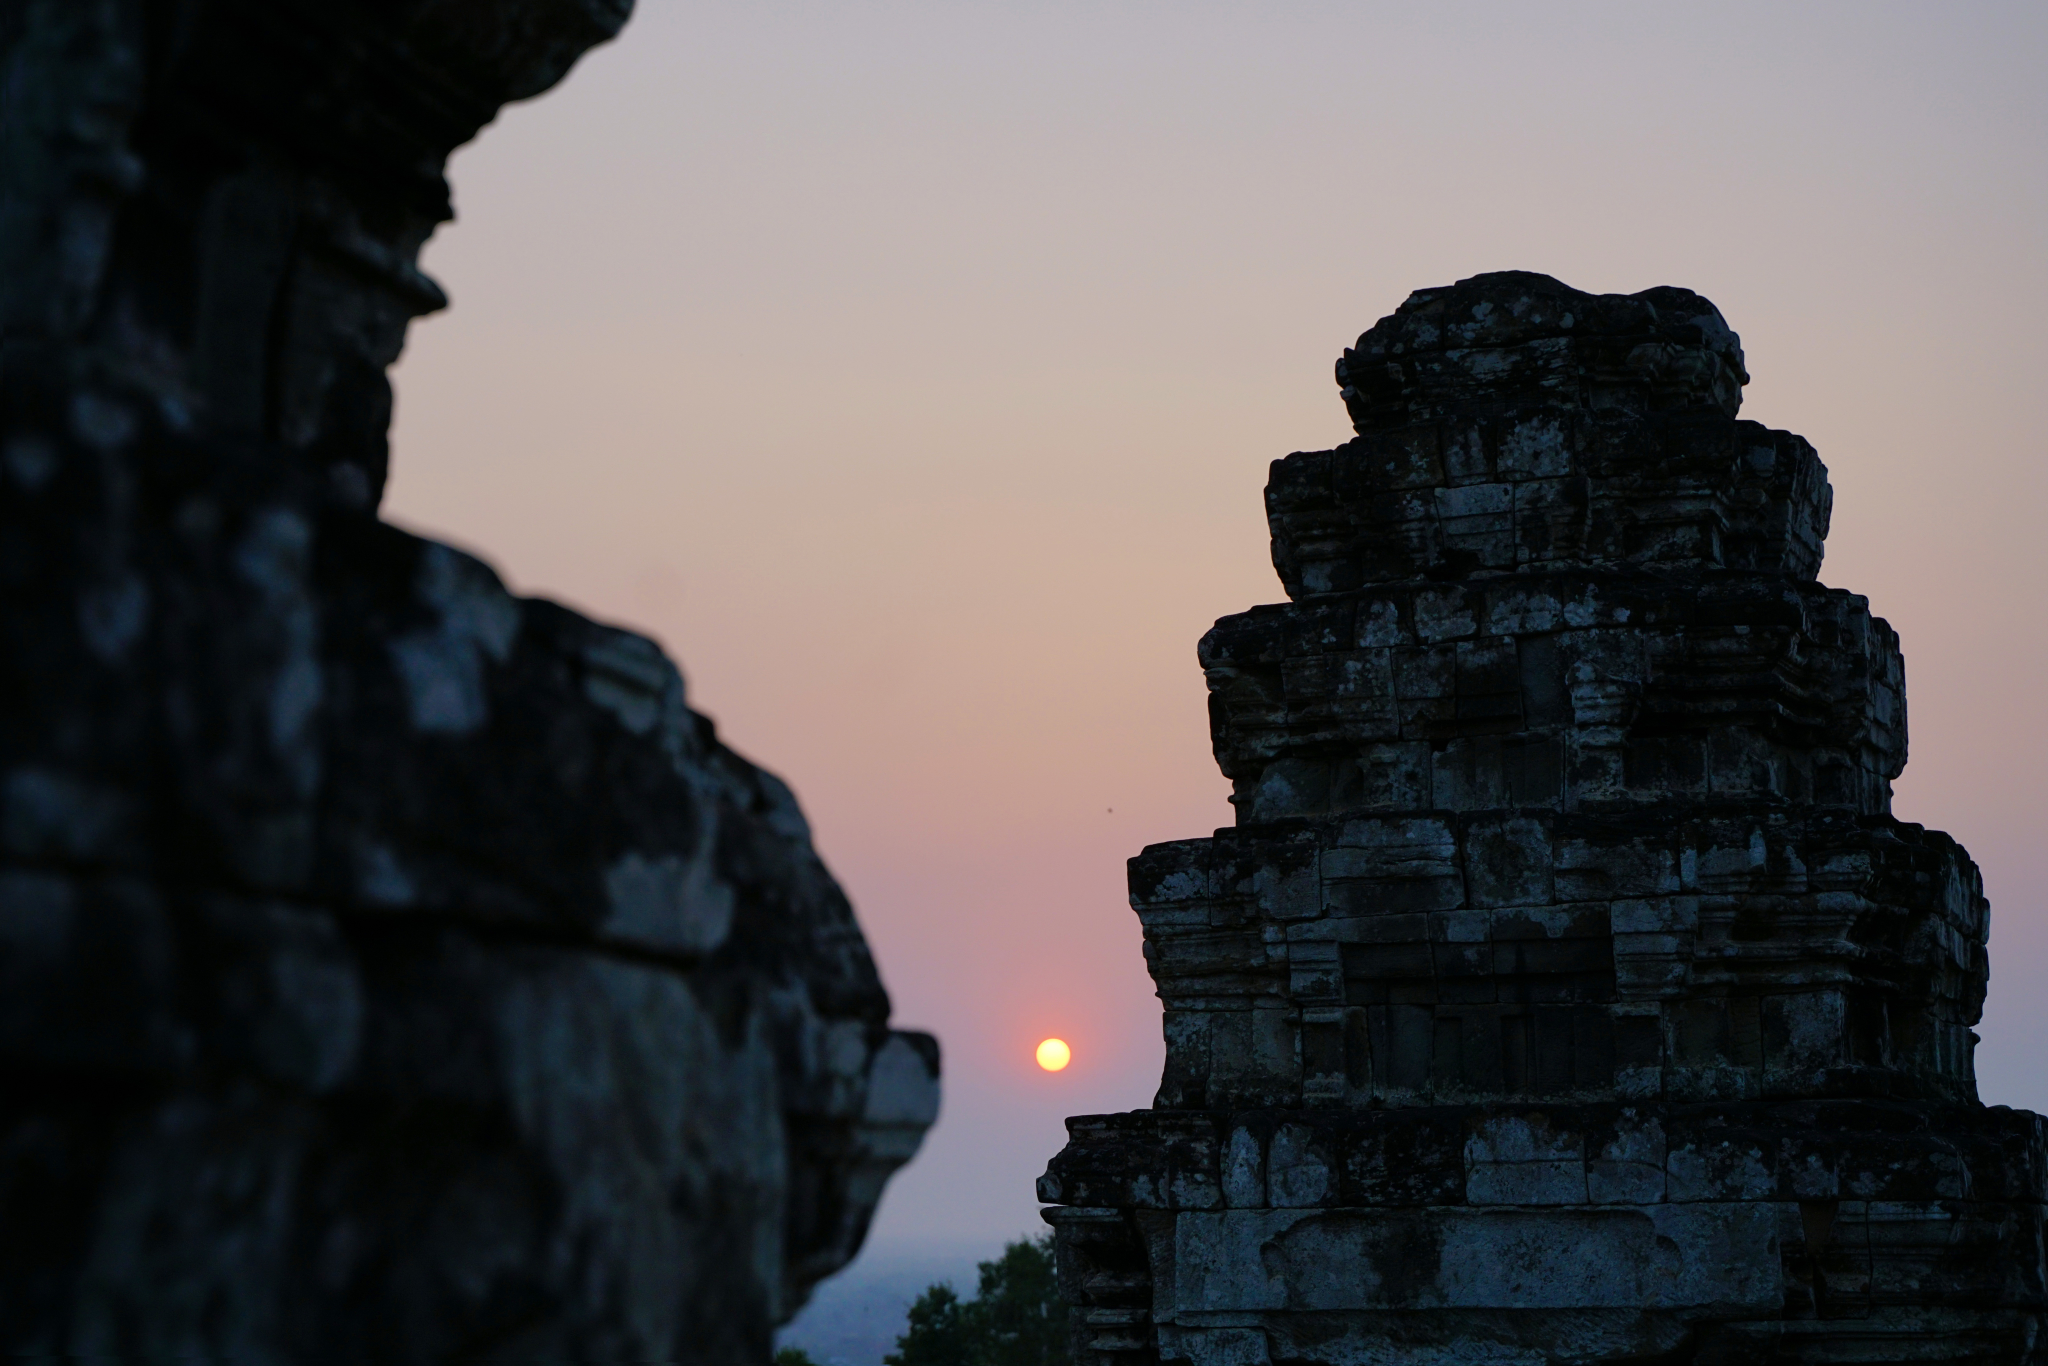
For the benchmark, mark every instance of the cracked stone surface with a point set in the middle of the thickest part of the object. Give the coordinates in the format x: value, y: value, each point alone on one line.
x: 391, y: 968
x: 1566, y: 991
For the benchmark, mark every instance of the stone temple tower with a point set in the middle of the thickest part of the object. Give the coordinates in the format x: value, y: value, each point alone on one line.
x: 1566, y: 991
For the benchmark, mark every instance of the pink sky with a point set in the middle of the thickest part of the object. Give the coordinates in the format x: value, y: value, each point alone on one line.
x: 910, y: 371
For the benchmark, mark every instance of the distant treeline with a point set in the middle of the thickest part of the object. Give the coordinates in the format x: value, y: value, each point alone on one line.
x: 1016, y: 1318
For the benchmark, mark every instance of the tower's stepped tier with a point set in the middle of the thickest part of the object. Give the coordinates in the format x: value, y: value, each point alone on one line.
x: 1822, y: 1232
x: 1676, y: 953
x: 1510, y: 423
x: 1528, y: 487
x: 1517, y: 335
x: 1578, y: 690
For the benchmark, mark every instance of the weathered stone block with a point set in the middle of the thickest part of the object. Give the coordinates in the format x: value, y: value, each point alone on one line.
x: 391, y: 968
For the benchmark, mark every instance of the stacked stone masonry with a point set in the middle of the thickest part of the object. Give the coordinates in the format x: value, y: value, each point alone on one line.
x: 392, y: 969
x: 1566, y: 991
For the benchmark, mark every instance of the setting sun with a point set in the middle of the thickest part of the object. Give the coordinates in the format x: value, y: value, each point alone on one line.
x: 1054, y: 1054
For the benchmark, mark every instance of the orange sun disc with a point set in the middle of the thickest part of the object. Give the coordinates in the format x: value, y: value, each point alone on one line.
x: 1054, y: 1054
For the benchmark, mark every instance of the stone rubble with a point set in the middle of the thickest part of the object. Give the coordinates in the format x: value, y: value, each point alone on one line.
x: 391, y: 969
x: 1566, y: 992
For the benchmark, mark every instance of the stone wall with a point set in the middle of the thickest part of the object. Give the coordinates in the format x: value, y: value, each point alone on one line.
x: 1566, y: 991
x: 391, y: 969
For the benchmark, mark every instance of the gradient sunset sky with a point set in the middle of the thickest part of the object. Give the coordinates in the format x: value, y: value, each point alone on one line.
x: 911, y: 370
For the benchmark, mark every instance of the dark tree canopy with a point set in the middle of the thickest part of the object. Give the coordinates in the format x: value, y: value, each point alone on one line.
x: 1015, y: 1319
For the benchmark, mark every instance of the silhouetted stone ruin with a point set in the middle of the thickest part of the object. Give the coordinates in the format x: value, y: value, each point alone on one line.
x: 1566, y: 991
x: 391, y: 969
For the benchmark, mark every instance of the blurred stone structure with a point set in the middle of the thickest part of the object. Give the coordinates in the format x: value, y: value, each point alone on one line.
x: 391, y: 969
x: 1566, y: 991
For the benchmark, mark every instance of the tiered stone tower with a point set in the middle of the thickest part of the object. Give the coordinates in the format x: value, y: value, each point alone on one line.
x: 1566, y: 991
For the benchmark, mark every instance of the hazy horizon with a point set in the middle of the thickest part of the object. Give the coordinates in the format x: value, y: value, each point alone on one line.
x: 911, y: 371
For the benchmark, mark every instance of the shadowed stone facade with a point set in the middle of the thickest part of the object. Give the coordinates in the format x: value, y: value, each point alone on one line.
x: 1566, y: 991
x: 391, y: 969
